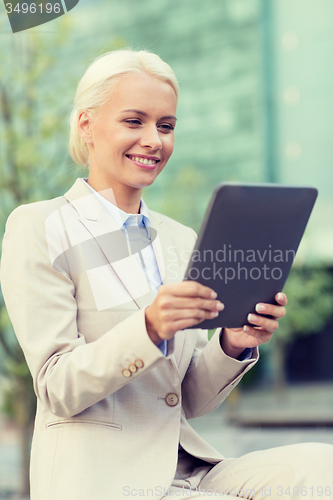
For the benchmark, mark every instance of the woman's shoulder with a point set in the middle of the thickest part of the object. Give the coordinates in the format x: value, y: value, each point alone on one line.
x: 35, y: 212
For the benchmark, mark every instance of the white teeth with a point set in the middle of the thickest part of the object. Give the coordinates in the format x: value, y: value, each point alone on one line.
x: 143, y: 161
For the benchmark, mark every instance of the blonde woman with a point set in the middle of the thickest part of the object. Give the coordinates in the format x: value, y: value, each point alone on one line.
x: 93, y: 285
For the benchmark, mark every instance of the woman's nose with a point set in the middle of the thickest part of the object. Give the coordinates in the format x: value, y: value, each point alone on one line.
x: 151, y: 139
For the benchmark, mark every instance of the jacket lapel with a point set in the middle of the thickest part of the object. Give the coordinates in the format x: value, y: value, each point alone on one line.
x: 106, y: 233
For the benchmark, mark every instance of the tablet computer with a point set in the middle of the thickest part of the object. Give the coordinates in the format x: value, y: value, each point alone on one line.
x: 247, y: 244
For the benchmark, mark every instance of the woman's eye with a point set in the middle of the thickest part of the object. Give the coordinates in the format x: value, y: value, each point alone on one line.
x: 133, y: 121
x: 166, y: 127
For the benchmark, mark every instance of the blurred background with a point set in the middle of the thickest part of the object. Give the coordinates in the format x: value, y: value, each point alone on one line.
x: 256, y: 105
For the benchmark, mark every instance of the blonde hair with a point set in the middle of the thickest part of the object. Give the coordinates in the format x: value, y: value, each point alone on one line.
x: 97, y: 83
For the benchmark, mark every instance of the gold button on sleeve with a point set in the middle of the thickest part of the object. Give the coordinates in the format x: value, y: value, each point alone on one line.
x: 126, y: 372
x: 139, y: 363
x: 132, y: 368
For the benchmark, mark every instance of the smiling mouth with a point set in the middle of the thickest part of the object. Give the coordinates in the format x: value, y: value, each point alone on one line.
x: 143, y: 161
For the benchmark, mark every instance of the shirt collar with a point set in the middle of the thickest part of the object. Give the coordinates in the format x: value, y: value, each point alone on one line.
x: 119, y: 216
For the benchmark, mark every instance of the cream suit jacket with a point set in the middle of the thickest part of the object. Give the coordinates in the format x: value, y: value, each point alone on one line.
x: 77, y: 307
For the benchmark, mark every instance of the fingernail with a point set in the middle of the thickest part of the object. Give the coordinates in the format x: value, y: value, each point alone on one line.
x: 219, y: 306
x: 246, y: 328
x: 260, y: 308
x: 280, y: 296
x: 213, y: 295
x: 251, y: 318
x: 214, y: 314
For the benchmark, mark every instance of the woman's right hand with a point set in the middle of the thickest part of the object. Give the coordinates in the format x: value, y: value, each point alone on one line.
x: 179, y: 306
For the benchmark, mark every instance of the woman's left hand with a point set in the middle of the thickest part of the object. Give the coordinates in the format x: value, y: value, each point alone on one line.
x: 235, y: 340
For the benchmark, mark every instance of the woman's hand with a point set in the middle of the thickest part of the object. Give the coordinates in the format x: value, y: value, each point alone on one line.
x: 235, y: 340
x: 180, y: 306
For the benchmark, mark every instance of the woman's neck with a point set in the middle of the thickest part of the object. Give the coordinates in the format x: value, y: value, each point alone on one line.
x: 124, y: 197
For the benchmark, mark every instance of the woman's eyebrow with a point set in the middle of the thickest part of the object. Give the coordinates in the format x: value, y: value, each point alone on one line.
x: 143, y: 113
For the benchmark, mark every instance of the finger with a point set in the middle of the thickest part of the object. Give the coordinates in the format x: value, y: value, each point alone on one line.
x: 258, y: 335
x: 270, y: 325
x: 191, y: 289
x: 271, y: 309
x: 179, y: 322
x: 186, y: 323
x: 281, y: 298
x: 192, y: 303
x: 174, y: 315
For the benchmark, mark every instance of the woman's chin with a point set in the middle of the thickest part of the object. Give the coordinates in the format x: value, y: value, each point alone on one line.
x: 145, y: 181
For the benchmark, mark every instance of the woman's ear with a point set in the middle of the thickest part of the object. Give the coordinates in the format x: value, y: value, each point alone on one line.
x: 84, y: 127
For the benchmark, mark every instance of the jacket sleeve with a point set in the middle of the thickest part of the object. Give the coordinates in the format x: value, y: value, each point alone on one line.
x: 211, y: 375
x: 69, y: 374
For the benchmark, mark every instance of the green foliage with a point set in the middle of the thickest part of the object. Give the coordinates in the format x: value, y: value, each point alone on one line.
x: 310, y: 302
x: 31, y: 125
x: 310, y: 306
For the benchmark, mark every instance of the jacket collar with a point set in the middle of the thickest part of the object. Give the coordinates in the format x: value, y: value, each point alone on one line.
x: 84, y: 201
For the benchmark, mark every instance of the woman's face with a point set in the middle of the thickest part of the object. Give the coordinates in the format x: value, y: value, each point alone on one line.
x: 132, y: 138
